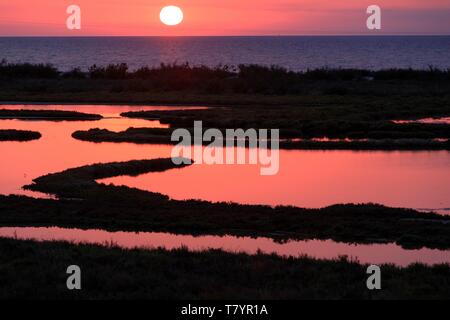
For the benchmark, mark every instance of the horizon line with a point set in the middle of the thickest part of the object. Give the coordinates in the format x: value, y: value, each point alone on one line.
x: 230, y: 36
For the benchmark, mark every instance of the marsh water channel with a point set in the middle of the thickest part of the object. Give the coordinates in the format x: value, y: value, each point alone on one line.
x: 306, y: 178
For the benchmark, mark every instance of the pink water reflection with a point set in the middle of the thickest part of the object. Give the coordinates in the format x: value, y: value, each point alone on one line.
x: 314, y: 179
x: 306, y: 178
x: 57, y: 150
x: 376, y: 253
x: 445, y: 120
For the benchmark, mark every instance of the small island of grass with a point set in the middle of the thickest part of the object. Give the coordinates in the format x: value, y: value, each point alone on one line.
x: 49, y: 115
x: 19, y: 135
x: 163, y: 136
x: 133, y: 135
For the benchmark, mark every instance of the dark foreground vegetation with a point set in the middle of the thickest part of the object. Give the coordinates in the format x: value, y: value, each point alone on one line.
x: 86, y: 204
x: 32, y: 270
x: 19, y: 135
x: 56, y: 115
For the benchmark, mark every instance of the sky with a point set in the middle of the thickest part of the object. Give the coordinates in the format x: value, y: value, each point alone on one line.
x: 223, y: 17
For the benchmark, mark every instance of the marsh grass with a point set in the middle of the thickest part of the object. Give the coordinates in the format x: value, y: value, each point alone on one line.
x: 55, y: 115
x: 224, y: 83
x: 34, y: 270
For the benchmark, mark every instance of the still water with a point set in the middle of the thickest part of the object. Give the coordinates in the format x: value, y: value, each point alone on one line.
x: 294, y: 53
x: 373, y: 254
x: 306, y: 178
x: 444, y: 120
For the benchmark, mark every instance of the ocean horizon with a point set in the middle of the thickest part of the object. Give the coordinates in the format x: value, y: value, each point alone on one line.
x: 297, y: 53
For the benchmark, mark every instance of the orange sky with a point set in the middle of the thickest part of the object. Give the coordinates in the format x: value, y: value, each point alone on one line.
x: 227, y: 17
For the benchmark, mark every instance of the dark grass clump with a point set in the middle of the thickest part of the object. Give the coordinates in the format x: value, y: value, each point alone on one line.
x: 56, y: 115
x: 28, y: 70
x: 19, y: 135
x: 131, y: 135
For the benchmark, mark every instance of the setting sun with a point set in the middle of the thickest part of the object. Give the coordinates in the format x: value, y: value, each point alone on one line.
x: 171, y: 15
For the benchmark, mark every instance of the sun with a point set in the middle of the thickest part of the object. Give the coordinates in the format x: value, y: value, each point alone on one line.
x: 171, y: 15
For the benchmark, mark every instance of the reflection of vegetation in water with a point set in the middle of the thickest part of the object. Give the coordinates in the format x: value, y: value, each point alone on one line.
x: 19, y: 135
x: 113, y: 273
x: 123, y: 208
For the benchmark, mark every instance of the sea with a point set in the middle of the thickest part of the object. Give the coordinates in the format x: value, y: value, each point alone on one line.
x: 297, y: 53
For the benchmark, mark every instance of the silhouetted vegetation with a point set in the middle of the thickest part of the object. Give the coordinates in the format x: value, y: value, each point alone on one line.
x: 355, y: 122
x: 71, y: 179
x: 113, y: 273
x: 163, y: 136
x: 254, y: 74
x: 134, y: 135
x: 18, y: 135
x: 55, y: 115
x: 219, y: 85
x: 86, y: 204
x: 27, y: 70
